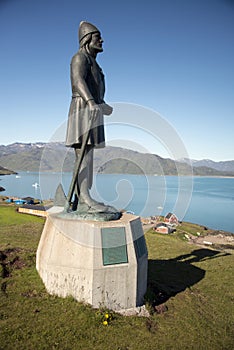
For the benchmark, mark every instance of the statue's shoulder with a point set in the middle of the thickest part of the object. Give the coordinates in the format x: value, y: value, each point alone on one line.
x: 81, y: 58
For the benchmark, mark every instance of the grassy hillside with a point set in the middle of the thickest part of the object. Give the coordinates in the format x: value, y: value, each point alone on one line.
x: 191, y: 286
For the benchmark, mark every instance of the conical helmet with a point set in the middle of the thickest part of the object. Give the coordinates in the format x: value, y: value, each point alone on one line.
x: 86, y: 28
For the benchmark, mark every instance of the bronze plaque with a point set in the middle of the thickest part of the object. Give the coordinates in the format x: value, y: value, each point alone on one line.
x: 114, y: 248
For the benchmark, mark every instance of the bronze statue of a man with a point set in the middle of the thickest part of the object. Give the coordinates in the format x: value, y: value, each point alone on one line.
x: 85, y: 130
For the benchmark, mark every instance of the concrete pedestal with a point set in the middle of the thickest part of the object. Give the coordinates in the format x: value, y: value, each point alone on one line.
x: 100, y: 263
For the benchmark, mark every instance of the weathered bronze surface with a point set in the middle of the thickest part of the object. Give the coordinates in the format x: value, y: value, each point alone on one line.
x: 85, y: 130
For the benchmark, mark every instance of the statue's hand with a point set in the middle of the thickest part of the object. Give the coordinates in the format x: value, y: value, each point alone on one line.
x: 94, y: 109
x: 106, y: 109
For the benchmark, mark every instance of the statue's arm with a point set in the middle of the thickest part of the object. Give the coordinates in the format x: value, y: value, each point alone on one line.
x: 79, y: 71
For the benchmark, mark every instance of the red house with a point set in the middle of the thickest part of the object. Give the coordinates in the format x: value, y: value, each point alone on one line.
x: 171, y: 219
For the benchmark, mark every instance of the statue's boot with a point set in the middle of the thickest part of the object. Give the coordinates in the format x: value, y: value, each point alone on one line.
x: 88, y: 204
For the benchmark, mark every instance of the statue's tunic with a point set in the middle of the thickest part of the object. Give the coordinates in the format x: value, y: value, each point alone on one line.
x: 87, y: 80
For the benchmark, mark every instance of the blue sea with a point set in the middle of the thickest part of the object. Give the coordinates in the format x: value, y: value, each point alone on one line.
x: 208, y: 201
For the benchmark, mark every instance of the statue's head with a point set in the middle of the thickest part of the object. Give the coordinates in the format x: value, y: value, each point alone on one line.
x: 91, y: 36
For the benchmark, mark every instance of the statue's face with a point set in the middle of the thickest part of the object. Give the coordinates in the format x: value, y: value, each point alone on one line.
x: 96, y: 42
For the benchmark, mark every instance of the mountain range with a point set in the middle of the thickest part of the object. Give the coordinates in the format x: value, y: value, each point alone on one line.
x: 221, y: 166
x: 56, y: 157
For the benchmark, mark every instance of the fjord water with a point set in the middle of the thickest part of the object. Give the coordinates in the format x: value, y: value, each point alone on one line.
x: 211, y: 204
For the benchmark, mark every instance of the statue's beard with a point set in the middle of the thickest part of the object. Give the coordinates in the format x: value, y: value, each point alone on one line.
x: 94, y: 50
x: 98, y: 48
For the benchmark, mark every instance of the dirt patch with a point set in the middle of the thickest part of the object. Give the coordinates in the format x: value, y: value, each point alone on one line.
x: 9, y: 261
x: 215, y: 239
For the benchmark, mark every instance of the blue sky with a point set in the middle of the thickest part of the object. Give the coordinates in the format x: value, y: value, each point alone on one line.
x: 172, y: 56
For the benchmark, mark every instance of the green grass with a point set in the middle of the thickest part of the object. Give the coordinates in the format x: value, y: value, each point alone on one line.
x: 194, y: 283
x: 8, y: 216
x: 19, y: 230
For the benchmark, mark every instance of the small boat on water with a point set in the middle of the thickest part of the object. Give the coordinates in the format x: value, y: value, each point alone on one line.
x: 17, y: 176
x: 36, y: 185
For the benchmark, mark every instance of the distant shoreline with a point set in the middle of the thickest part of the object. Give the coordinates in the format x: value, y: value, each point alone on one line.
x: 97, y: 173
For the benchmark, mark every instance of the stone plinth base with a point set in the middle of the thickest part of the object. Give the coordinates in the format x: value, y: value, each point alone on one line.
x: 100, y: 263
